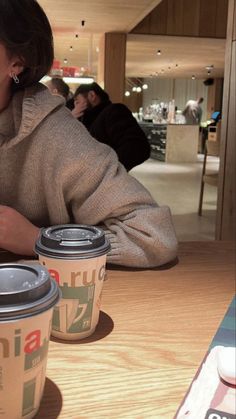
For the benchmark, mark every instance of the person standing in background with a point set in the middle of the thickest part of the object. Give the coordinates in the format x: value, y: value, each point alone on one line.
x: 193, y: 112
x: 112, y: 124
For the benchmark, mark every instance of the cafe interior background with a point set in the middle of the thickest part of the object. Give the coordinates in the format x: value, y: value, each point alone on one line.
x: 154, y: 54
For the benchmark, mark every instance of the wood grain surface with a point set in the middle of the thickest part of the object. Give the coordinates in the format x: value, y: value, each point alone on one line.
x: 155, y: 328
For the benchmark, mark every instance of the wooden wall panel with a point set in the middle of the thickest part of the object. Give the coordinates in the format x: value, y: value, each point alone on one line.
x: 175, y: 17
x: 226, y: 206
x: 158, y: 19
x: 191, y: 17
x: 214, y: 100
x: 228, y: 227
x: 144, y: 27
x: 219, y: 83
x: 234, y: 24
x: 101, y: 62
x: 203, y: 18
x: 114, y: 65
x: 207, y: 18
x: 221, y: 18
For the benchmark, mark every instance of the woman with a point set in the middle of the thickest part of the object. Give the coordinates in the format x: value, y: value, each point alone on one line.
x: 52, y: 171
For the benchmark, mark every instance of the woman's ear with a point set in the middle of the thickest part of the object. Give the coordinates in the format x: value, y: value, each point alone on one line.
x: 17, y: 66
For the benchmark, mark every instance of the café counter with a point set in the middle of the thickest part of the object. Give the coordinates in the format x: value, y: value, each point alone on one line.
x: 154, y: 330
x: 173, y: 143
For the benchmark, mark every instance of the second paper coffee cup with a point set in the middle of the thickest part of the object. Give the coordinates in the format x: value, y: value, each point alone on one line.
x: 27, y: 298
x: 75, y: 256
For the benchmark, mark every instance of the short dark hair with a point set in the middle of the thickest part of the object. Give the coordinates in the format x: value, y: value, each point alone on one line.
x: 26, y: 32
x: 86, y: 88
x: 61, y: 86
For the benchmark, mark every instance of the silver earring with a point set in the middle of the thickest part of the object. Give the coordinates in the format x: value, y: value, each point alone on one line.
x: 15, y: 78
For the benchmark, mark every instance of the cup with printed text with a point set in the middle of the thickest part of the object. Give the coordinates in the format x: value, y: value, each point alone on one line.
x: 75, y: 256
x: 27, y: 297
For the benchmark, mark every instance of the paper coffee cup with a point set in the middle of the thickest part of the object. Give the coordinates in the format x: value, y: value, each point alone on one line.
x: 75, y: 256
x: 27, y: 297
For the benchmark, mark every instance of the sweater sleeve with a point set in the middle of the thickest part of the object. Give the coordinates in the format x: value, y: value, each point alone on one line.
x: 97, y: 190
x: 100, y: 192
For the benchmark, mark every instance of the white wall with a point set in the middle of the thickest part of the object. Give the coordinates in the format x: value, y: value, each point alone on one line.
x: 163, y: 90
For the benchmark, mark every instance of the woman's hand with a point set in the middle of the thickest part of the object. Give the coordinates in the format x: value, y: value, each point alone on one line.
x: 17, y: 234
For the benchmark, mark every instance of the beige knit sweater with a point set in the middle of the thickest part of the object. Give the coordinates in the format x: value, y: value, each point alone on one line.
x: 53, y: 172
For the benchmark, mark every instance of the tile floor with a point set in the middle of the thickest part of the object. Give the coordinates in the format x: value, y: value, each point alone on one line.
x: 178, y: 186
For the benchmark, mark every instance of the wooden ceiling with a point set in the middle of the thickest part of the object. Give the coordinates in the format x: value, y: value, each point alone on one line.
x: 101, y: 16
x: 181, y: 57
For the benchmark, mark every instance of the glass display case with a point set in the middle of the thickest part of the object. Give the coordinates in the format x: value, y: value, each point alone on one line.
x: 156, y: 134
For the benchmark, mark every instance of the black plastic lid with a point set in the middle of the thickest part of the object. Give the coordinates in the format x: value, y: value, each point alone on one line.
x: 25, y: 290
x: 72, y: 241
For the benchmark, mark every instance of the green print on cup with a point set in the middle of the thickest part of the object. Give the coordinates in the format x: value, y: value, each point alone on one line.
x: 74, y: 314
x: 37, y: 356
x: 28, y: 397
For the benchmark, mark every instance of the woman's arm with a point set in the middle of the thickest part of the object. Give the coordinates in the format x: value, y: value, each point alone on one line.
x: 82, y: 181
x: 103, y: 193
x: 17, y: 234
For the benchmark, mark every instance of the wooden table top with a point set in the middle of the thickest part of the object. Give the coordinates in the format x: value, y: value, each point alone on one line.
x: 154, y: 330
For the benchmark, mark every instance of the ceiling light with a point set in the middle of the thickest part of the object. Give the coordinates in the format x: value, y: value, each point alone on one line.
x: 209, y: 68
x: 134, y: 89
x: 127, y: 93
x: 145, y: 86
x: 71, y: 48
x: 138, y: 89
x: 193, y: 77
x: 65, y: 60
x: 77, y: 35
x: 158, y: 52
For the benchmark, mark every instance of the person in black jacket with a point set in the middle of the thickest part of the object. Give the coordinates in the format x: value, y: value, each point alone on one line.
x: 112, y: 124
